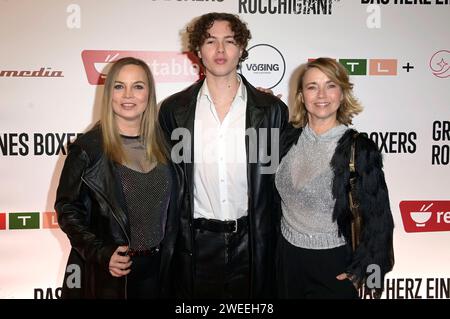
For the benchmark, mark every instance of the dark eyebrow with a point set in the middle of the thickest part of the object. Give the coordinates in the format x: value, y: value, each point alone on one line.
x: 314, y: 82
x: 133, y: 83
x: 226, y: 37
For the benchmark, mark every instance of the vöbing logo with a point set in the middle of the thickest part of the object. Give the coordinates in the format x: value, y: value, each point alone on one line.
x: 265, y: 66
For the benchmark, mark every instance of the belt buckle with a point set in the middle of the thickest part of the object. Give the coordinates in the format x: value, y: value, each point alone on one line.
x: 235, y: 226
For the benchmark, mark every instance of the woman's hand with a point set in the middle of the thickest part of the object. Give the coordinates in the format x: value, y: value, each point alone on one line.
x: 120, y: 265
x: 344, y: 276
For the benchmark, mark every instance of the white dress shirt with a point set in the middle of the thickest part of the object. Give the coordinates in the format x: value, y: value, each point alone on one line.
x: 220, y: 162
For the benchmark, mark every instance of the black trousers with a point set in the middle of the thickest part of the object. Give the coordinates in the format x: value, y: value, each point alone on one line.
x: 311, y: 273
x: 143, y: 279
x: 221, y: 263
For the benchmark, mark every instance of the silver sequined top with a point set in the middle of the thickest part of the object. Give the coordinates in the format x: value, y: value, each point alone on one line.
x: 304, y: 180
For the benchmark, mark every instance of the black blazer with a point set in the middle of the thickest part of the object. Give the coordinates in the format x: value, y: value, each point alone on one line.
x: 262, y: 111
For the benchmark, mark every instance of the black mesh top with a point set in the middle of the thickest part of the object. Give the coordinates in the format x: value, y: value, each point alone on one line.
x: 147, y: 196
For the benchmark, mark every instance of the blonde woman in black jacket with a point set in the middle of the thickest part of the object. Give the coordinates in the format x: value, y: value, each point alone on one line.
x: 315, y: 257
x: 116, y: 193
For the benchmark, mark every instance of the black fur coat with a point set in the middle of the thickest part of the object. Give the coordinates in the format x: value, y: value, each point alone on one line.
x: 376, y: 241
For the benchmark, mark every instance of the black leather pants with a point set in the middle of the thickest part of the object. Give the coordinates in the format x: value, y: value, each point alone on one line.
x: 221, y: 262
x: 143, y: 280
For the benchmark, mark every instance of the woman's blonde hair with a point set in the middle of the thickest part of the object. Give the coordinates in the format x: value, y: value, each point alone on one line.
x: 150, y: 132
x: 338, y: 74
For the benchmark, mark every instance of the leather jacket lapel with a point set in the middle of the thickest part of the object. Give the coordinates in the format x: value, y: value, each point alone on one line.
x: 185, y: 118
x: 101, y: 178
x: 255, y: 109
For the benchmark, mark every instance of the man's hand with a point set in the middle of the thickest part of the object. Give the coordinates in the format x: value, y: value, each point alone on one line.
x: 268, y: 91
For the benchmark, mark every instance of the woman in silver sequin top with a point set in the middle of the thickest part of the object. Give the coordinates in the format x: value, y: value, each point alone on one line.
x: 315, y: 258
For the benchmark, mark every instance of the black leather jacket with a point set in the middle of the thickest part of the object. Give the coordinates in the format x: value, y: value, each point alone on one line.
x: 91, y: 210
x: 262, y: 111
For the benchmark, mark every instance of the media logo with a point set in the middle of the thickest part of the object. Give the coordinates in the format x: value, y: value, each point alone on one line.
x: 265, y: 66
x: 166, y: 66
x: 425, y: 216
x: 440, y: 64
x: 43, y: 72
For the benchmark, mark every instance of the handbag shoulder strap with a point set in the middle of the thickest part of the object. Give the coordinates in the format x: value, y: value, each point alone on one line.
x: 353, y: 202
x: 352, y: 165
x: 352, y: 154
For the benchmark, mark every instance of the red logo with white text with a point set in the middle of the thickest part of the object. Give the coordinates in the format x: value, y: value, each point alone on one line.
x: 166, y: 66
x: 425, y: 216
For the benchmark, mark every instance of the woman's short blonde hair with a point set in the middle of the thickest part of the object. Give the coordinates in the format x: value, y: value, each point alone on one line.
x: 338, y: 74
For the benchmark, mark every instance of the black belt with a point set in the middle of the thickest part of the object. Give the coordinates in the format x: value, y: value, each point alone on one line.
x: 139, y: 253
x: 221, y: 226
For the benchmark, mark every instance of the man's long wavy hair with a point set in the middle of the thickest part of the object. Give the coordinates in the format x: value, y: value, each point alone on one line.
x: 198, y: 31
